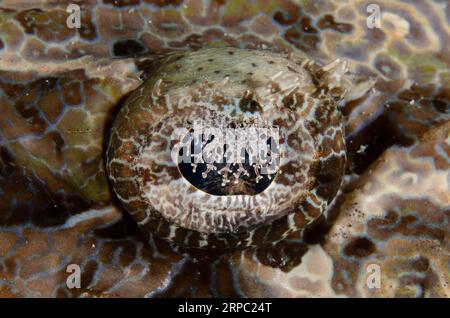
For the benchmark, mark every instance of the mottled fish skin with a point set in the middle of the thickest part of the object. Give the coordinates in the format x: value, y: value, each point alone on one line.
x: 395, y: 216
x: 60, y: 88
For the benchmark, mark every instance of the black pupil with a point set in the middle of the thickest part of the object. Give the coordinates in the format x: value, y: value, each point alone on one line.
x: 243, y: 179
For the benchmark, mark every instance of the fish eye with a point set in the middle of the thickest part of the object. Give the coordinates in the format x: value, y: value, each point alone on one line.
x: 213, y: 161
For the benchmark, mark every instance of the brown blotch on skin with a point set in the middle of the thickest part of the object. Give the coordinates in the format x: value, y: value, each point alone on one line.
x: 328, y: 177
x: 128, y: 47
x: 421, y: 264
x: 388, y: 67
x: 62, y: 293
x: 168, y: 23
x: 247, y: 104
x: 224, y: 276
x: 24, y: 18
x: 6, y: 162
x: 34, y: 50
x: 31, y: 114
x: 39, y: 264
x: 72, y: 93
x: 50, y: 26
x: 122, y: 169
x: 310, y: 209
x: 164, y: 3
x: 360, y: 247
x: 57, y: 143
x: 322, y: 114
x: 306, y: 25
x: 287, y: 17
x: 87, y: 31
x: 407, y: 225
x: 315, y: 232
x: 127, y: 189
x: 128, y: 253
x: 122, y: 3
x: 376, y: 37
x: 88, y: 272
x: 303, y: 42
x: 284, y: 255
x: 328, y: 22
x: 288, y: 101
x: 47, y: 83
x: 51, y: 105
x: 106, y: 253
x: 193, y: 41
x: 8, y: 240
x: 344, y: 276
x: 441, y: 106
x: 442, y: 101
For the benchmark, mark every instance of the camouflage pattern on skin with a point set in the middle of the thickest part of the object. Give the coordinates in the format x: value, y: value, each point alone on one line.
x: 395, y: 215
x: 51, y: 167
x: 112, y: 261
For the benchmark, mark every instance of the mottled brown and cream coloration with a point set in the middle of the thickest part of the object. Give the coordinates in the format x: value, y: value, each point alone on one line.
x: 230, y: 88
x: 61, y: 88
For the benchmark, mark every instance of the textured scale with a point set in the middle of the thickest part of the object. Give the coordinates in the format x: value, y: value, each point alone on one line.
x: 61, y: 89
